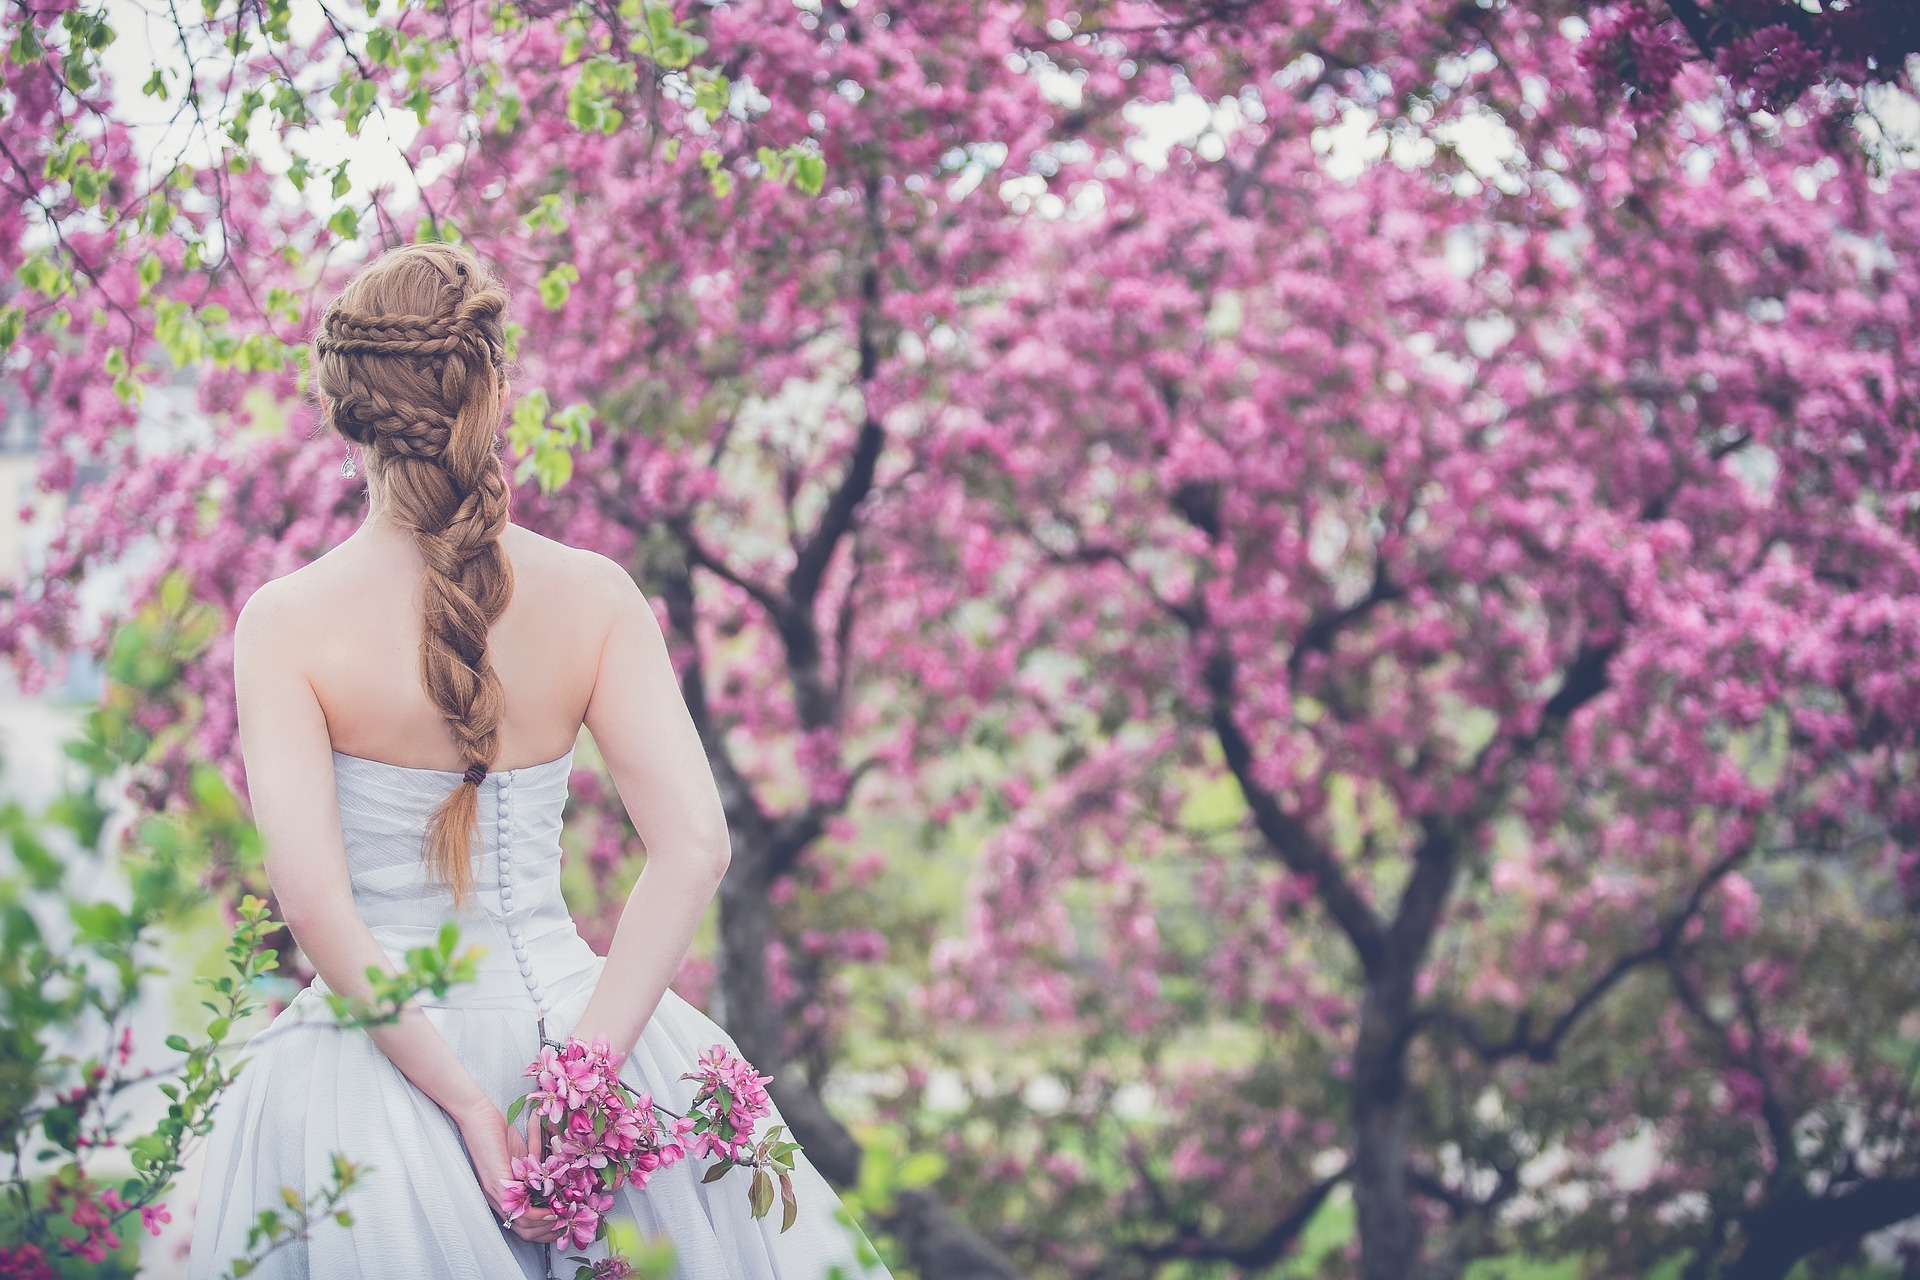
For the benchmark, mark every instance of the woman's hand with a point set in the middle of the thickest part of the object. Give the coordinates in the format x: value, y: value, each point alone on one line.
x: 491, y: 1144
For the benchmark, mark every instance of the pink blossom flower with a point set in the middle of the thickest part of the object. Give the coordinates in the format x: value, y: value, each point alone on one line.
x: 27, y: 1262
x: 605, y: 1135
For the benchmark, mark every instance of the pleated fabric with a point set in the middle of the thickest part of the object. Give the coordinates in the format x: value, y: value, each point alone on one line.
x: 310, y: 1089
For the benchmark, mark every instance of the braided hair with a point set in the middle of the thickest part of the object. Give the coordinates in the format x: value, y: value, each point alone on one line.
x: 411, y: 365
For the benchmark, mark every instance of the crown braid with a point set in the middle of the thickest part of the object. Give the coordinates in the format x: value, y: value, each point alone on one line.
x: 411, y: 365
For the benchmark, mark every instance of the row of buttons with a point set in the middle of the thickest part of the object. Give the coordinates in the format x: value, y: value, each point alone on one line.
x: 503, y: 846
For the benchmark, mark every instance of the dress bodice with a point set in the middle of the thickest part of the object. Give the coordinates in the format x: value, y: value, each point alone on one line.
x: 516, y: 911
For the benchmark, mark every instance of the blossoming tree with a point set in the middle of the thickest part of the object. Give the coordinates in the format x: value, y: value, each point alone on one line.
x: 1527, y: 546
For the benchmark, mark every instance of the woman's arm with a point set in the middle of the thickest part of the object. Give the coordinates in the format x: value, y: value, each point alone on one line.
x: 641, y: 725
x: 289, y: 764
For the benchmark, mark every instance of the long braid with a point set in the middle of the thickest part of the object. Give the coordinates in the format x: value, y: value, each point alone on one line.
x: 410, y: 359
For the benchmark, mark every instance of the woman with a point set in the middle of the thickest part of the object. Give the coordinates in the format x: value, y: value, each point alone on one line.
x: 408, y: 706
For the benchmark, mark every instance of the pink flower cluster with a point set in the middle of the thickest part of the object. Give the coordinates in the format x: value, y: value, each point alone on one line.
x: 604, y: 1135
x: 27, y: 1262
x: 96, y: 1216
x: 731, y: 1099
x: 1637, y: 46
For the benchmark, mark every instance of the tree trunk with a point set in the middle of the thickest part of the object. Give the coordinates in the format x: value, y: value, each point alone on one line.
x: 940, y: 1245
x: 1381, y: 1114
x: 745, y: 928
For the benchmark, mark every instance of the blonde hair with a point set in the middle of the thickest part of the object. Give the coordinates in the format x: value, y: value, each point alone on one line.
x: 411, y: 364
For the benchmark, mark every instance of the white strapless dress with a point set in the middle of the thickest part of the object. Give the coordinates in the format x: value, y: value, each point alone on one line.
x: 310, y: 1089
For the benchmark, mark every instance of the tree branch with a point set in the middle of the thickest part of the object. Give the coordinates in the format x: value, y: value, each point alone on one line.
x: 810, y: 563
x: 1323, y: 629
x: 1285, y: 835
x: 1780, y: 1234
x: 1522, y: 1042
x: 1265, y: 1249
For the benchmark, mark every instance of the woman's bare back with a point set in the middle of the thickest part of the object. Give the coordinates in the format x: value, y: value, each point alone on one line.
x: 360, y: 647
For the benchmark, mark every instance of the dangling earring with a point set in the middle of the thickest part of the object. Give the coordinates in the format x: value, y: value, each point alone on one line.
x: 347, y: 469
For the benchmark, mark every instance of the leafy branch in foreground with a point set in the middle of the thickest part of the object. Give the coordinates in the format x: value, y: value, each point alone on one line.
x: 272, y: 1231
x: 75, y: 963
x: 434, y: 969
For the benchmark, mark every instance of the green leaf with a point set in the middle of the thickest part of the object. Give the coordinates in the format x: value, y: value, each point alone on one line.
x: 760, y: 1194
x: 809, y: 172
x: 42, y: 276
x: 26, y: 48
x: 547, y: 215
x: 920, y: 1169
x: 718, y: 1171
x: 360, y: 98
x: 556, y: 286
x: 553, y: 470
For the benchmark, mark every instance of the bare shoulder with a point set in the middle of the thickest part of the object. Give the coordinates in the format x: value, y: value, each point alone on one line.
x: 573, y: 569
x: 279, y: 610
x: 572, y: 581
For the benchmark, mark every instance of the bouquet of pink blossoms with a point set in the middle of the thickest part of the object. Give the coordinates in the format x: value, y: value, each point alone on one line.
x: 603, y: 1135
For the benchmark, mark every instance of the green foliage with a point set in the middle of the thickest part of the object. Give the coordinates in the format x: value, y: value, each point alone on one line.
x: 76, y: 956
x: 274, y: 1229
x: 890, y: 1163
x: 436, y: 969
x: 172, y: 220
x: 650, y: 1259
x: 798, y: 164
x: 599, y: 84
x: 547, y: 216
x: 557, y: 285
x: 394, y: 62
x: 547, y: 438
x: 661, y: 37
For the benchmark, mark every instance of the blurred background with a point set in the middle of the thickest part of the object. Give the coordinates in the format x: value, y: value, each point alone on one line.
x: 1308, y: 613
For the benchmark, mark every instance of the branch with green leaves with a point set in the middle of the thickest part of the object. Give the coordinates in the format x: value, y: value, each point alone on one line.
x: 76, y: 962
x: 435, y: 969
x: 273, y: 1230
x: 239, y: 84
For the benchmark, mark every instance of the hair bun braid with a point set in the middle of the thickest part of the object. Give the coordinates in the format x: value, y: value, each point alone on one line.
x: 410, y: 362
x: 468, y: 323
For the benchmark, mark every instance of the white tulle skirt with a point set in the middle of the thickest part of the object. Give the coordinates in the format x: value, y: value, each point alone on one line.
x: 311, y: 1090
